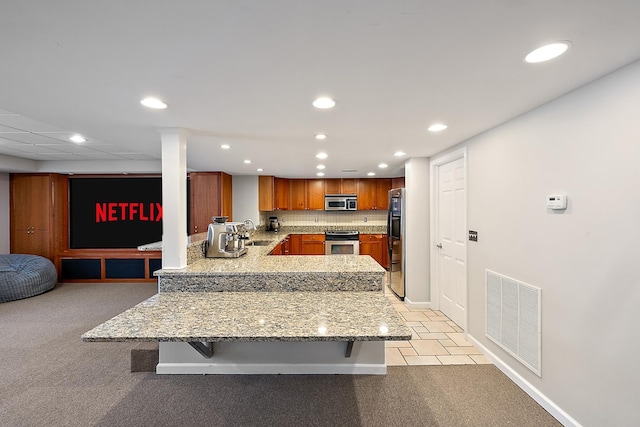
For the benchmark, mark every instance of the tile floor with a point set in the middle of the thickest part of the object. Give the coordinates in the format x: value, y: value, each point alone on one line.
x: 436, y: 340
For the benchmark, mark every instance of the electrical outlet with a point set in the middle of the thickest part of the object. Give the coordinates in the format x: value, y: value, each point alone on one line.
x: 473, y: 236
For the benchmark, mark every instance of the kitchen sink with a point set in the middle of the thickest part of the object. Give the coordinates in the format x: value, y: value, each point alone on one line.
x: 260, y: 243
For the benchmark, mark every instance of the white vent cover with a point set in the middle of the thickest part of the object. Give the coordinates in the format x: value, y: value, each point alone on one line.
x: 513, y: 318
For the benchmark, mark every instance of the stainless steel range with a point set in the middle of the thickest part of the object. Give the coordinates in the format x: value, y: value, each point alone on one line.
x: 341, y: 242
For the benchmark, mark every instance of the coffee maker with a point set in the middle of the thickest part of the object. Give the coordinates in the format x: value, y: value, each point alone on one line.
x: 225, y: 239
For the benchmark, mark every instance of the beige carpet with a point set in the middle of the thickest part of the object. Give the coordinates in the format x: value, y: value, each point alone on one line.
x: 48, y: 377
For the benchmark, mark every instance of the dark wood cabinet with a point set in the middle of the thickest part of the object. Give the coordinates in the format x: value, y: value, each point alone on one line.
x: 315, y: 194
x: 38, y: 221
x: 312, y: 244
x: 298, y: 194
x: 397, y: 182
x: 373, y: 193
x: 210, y: 195
x: 273, y: 193
x: 281, y: 194
x: 266, y: 192
x: 374, y: 245
x: 340, y: 186
x: 295, y: 244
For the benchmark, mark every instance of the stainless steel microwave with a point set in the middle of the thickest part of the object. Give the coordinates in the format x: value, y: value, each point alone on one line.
x: 341, y: 203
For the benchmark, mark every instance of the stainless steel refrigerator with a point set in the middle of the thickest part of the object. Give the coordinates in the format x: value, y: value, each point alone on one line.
x: 396, y: 242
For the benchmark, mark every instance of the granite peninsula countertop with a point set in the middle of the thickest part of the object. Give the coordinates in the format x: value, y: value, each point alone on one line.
x: 258, y: 316
x: 259, y: 271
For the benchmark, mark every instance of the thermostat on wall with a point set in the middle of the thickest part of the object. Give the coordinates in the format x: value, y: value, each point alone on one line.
x: 557, y: 201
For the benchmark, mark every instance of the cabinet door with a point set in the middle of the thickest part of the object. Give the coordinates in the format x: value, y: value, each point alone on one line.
x: 333, y: 186
x: 383, y: 185
x: 295, y: 244
x: 366, y: 194
x: 265, y: 193
x: 312, y: 244
x: 226, y: 192
x: 30, y: 201
x: 315, y: 194
x: 204, y: 200
x: 349, y: 186
x: 298, y: 194
x: 371, y: 244
x: 281, y: 193
x: 31, y: 215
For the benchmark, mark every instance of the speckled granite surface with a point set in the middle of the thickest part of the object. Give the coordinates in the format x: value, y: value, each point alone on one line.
x: 258, y: 316
x: 258, y: 271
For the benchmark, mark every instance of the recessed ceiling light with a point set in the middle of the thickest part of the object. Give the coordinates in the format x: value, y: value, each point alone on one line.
x: 323, y: 103
x: 371, y: 174
x: 383, y: 165
x: 225, y: 146
x: 247, y: 161
x: 320, y: 167
x: 77, y: 138
x: 259, y: 169
x: 321, y: 136
x: 399, y: 153
x: 547, y: 52
x: 437, y: 127
x: 320, y: 174
x: 322, y: 155
x: 154, y: 103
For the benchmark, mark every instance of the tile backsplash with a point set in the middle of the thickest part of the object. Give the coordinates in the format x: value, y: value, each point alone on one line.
x: 327, y: 218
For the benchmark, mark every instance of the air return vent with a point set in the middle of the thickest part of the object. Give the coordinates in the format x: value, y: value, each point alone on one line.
x: 350, y: 170
x: 513, y: 318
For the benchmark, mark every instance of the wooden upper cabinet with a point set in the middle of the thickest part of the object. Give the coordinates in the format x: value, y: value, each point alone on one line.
x: 366, y: 194
x: 315, y: 194
x: 266, y: 191
x: 210, y: 195
x: 373, y: 193
x: 341, y: 186
x: 273, y: 193
x: 281, y: 194
x: 298, y: 194
x: 383, y: 185
x: 397, y: 182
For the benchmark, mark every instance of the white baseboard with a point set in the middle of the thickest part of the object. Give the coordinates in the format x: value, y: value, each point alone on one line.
x: 527, y: 387
x: 412, y: 304
x: 270, y: 368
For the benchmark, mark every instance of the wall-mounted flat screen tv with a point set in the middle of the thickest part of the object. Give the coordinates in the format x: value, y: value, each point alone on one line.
x: 114, y: 212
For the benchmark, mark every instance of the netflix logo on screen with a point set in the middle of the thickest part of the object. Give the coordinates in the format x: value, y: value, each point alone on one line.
x: 128, y: 212
x: 114, y: 212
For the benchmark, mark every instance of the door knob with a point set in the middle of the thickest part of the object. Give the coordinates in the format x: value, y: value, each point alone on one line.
x: 439, y: 246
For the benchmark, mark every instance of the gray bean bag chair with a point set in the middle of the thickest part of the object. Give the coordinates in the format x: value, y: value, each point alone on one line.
x: 23, y: 276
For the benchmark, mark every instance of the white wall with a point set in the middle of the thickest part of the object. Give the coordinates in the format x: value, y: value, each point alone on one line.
x: 417, y: 238
x: 4, y: 213
x: 585, y: 145
x: 245, y: 198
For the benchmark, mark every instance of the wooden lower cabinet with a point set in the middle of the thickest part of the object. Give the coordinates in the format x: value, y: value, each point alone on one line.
x: 375, y: 246
x: 312, y: 244
x: 295, y: 244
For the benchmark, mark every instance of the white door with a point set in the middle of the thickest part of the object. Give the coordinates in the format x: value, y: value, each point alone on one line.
x: 451, y: 241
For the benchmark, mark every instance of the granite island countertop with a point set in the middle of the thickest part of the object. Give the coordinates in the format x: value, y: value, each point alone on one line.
x: 258, y: 316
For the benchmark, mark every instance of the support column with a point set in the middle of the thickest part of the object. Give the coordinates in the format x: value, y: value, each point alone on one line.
x: 174, y: 197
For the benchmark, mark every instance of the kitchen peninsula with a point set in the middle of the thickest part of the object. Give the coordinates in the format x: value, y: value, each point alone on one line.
x: 264, y: 314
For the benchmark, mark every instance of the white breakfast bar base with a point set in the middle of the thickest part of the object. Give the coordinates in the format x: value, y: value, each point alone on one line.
x: 316, y: 357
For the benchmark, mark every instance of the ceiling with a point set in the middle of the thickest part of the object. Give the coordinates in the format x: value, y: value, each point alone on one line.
x: 244, y: 73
